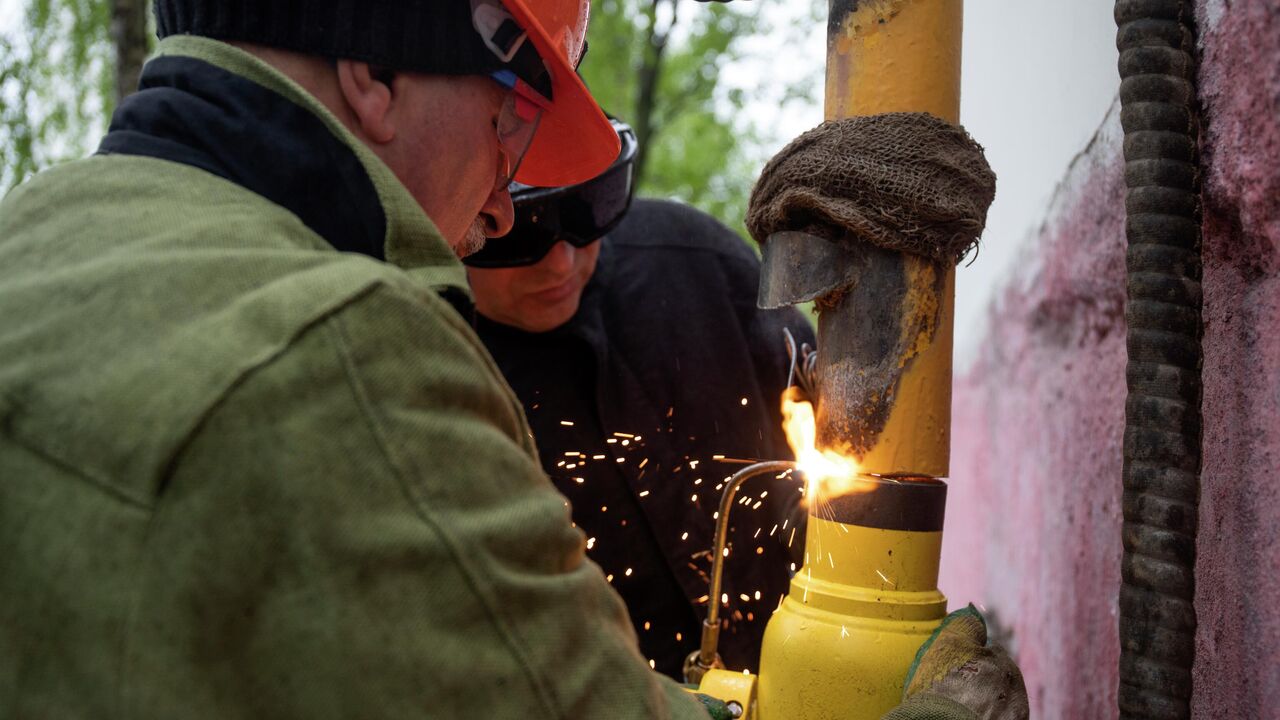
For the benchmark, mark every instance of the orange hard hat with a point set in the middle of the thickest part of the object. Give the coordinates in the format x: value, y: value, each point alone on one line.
x: 574, y: 141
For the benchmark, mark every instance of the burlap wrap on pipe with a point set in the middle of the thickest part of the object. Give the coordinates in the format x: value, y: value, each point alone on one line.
x: 901, y: 181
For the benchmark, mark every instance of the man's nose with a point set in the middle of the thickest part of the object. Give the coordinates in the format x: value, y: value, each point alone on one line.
x: 560, y: 258
x: 498, y: 213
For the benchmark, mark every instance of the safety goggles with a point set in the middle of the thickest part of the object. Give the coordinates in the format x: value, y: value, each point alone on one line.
x: 579, y: 214
x: 517, y: 123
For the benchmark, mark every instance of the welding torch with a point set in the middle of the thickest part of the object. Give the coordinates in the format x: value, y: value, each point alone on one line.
x: 706, y: 656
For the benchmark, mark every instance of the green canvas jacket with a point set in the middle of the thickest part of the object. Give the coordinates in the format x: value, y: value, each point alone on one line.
x: 246, y: 474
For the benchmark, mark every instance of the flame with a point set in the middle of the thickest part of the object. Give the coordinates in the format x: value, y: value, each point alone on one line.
x: 827, y: 473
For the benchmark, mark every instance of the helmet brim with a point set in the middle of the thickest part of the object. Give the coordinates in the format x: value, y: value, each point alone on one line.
x: 575, y: 141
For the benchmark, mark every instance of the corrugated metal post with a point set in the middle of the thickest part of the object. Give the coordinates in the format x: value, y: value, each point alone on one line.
x: 867, y: 598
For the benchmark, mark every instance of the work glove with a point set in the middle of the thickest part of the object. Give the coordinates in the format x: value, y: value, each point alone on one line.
x: 957, y: 676
x: 716, y: 709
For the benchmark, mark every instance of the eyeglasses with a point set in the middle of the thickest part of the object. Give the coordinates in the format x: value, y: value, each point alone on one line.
x: 580, y: 214
x: 518, y: 122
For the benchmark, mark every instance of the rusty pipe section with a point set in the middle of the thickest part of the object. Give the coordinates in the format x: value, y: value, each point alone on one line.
x: 884, y: 317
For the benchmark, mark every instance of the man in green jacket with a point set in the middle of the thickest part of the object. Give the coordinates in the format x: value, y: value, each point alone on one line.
x: 253, y: 462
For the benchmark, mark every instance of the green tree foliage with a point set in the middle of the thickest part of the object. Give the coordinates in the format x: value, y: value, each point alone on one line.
x: 56, y: 85
x: 657, y: 65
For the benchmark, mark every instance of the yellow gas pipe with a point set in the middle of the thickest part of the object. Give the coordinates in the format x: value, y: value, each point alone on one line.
x: 866, y: 597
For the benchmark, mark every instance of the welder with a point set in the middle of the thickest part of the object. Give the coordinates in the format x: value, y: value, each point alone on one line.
x: 253, y: 460
x: 630, y: 333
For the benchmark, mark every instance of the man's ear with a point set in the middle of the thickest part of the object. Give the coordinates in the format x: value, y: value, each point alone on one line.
x: 369, y: 97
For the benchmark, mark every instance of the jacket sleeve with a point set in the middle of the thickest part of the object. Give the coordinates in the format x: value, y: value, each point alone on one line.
x: 361, y: 529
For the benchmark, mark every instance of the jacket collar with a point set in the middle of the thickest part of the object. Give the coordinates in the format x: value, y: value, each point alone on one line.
x: 211, y: 105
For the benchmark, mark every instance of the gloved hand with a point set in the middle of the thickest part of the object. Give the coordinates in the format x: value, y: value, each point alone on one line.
x: 957, y: 676
x: 717, y: 709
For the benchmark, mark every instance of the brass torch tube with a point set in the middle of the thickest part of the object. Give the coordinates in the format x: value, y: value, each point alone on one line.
x: 707, y: 655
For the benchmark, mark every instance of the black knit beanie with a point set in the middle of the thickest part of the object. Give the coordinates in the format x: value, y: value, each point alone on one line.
x: 429, y: 36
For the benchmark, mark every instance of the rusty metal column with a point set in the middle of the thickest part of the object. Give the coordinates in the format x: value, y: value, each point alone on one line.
x: 885, y: 365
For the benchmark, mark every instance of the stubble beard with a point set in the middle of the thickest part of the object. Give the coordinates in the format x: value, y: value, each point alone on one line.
x: 473, y: 241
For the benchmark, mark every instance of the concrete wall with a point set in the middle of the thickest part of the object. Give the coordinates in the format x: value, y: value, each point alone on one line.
x: 1033, y: 527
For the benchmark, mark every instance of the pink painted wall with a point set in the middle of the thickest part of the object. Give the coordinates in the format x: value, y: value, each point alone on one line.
x: 1033, y: 526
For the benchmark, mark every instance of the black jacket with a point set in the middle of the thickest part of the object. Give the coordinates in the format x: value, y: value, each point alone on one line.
x: 667, y: 365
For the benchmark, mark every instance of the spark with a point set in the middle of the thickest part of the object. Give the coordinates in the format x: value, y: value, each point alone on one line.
x: 570, y: 466
x: 757, y: 594
x: 744, y: 402
x: 844, y: 632
x: 697, y: 481
x: 644, y: 493
x: 757, y: 505
x: 591, y: 542
x: 882, y: 577
x: 759, y: 550
x: 646, y: 624
x: 679, y: 637
x: 717, y: 457
x: 726, y: 552
x: 597, y: 457
x: 622, y: 459
x: 703, y: 599
x: 624, y: 435
x: 604, y: 508
x: 724, y: 598
x: 684, y: 536
x: 745, y: 597
x: 609, y: 577
x: 693, y: 498
x: 628, y: 572
x: 652, y: 665
x: 693, y: 464
x: 758, y: 531
x: 611, y: 440
x: 644, y: 462
x: 566, y: 423
x: 792, y: 538
x: 626, y: 443
x: 579, y: 480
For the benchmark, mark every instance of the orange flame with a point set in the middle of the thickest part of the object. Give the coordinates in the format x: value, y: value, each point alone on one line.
x: 827, y: 473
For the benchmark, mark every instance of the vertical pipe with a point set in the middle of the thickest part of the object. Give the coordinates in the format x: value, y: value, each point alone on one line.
x: 866, y: 598
x: 1162, y: 412
x: 891, y: 56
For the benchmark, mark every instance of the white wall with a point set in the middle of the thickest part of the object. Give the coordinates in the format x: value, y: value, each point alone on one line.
x: 1038, y: 78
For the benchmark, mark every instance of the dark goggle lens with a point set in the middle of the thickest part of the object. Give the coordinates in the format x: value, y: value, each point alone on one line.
x: 579, y: 216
